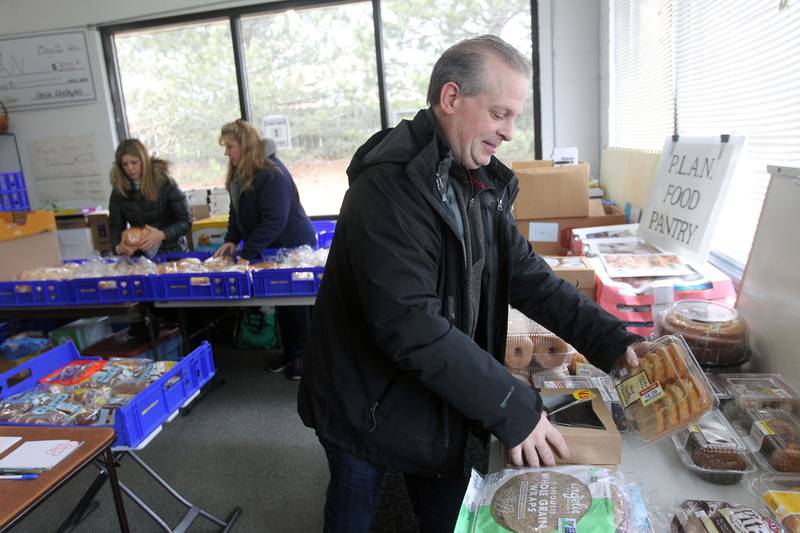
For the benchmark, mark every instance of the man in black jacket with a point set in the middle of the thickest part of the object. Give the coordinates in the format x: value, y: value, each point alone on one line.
x: 408, y: 333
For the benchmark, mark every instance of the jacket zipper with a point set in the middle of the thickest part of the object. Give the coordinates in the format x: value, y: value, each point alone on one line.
x: 374, y: 407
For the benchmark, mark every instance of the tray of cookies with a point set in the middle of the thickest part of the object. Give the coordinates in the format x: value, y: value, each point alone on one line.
x: 712, y: 451
x: 774, y: 439
x: 666, y: 392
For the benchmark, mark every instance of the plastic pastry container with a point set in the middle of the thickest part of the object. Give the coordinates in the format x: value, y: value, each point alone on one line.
x: 666, y: 392
x: 775, y: 440
x: 532, y: 349
x: 715, y: 333
x: 696, y: 516
x: 756, y: 391
x: 712, y: 451
x: 718, y: 387
x: 781, y: 496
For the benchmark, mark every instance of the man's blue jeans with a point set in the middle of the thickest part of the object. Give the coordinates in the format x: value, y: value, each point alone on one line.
x: 354, y: 491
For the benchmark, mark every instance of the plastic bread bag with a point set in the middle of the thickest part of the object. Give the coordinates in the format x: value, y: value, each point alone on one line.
x: 708, y: 516
x: 22, y: 402
x: 75, y: 372
x: 580, y: 499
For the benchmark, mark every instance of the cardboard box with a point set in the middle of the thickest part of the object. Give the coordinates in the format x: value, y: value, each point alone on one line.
x: 75, y: 243
x: 576, y: 271
x: 588, y: 446
x: 551, y: 237
x: 27, y: 240
x: 101, y: 234
x: 551, y: 191
x: 209, y: 234
x: 83, y: 333
x: 200, y: 212
x: 78, y: 245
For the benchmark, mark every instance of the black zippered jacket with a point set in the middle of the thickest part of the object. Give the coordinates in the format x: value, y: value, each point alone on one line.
x: 389, y: 374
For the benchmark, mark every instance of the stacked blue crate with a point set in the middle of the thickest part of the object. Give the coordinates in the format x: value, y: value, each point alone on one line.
x: 13, y: 193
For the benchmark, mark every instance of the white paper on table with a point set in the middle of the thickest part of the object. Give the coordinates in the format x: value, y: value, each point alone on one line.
x: 39, y: 454
x: 8, y: 442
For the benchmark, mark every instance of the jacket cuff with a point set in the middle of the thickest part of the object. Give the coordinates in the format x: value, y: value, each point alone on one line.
x: 617, y: 351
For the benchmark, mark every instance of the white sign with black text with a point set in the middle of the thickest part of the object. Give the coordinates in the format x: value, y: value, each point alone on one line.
x: 691, y: 181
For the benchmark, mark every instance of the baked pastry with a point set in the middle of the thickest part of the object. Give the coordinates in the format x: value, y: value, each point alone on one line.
x: 719, y: 460
x: 519, y: 351
x: 550, y: 351
x: 714, y: 332
x: 780, y: 443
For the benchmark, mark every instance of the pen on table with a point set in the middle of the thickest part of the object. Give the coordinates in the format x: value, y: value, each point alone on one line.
x: 19, y: 476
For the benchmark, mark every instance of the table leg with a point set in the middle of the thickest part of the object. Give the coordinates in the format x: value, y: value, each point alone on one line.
x: 114, y: 482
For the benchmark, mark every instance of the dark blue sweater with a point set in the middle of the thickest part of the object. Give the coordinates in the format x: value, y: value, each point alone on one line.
x: 270, y: 214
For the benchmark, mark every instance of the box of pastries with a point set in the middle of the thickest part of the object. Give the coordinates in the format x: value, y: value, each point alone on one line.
x: 533, y: 349
x: 756, y: 391
x: 666, y: 392
x: 781, y: 496
x: 712, y: 451
x: 775, y: 440
x: 715, y: 333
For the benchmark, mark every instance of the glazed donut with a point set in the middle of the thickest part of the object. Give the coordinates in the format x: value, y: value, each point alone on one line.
x: 519, y: 351
x: 550, y: 351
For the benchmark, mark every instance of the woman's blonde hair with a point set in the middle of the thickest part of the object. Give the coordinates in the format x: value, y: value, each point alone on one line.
x: 253, y: 158
x: 119, y: 178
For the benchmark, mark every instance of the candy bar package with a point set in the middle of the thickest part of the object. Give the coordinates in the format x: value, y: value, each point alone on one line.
x: 715, y: 333
x: 579, y: 499
x: 666, y: 392
x: 707, y: 516
x: 781, y: 496
x: 711, y: 450
x: 775, y: 440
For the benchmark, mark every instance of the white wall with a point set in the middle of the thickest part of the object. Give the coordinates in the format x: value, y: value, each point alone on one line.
x: 572, y: 45
x: 570, y: 57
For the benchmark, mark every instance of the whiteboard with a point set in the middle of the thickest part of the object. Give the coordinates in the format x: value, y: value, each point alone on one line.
x: 769, y: 299
x: 45, y: 70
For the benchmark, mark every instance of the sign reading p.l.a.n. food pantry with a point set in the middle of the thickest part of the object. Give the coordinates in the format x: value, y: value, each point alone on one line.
x: 689, y: 188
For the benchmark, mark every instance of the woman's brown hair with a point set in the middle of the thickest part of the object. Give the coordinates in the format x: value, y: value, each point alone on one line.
x: 120, y: 180
x: 254, y: 157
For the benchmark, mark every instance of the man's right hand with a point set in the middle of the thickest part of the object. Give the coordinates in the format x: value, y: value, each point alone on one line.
x: 537, y: 449
x: 226, y: 249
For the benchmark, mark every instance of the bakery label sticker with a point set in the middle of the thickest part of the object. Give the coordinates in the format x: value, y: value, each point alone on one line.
x: 651, y: 394
x: 629, y: 388
x: 706, y: 521
x: 583, y: 395
x: 762, y: 429
x: 694, y: 428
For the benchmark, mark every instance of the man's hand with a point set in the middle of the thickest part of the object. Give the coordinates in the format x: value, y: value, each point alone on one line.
x: 226, y: 249
x: 631, y: 359
x: 537, y: 449
x: 151, y: 238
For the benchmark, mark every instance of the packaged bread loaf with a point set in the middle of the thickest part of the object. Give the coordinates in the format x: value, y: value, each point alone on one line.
x: 711, y: 450
x: 666, y: 392
x: 715, y: 333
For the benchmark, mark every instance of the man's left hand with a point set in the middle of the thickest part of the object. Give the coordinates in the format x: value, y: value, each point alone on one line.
x: 631, y: 359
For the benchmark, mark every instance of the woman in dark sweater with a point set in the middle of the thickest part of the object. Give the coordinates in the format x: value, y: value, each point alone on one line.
x: 266, y: 213
x: 145, y: 196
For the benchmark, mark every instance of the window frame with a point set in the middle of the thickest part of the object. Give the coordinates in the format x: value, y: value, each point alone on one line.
x: 234, y: 15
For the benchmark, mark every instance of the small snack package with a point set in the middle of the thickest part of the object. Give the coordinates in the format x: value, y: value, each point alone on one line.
x: 666, y: 392
x: 75, y: 372
x: 774, y: 438
x: 707, y: 516
x: 532, y: 349
x: 781, y: 496
x: 711, y: 450
x: 715, y: 333
x: 578, y: 499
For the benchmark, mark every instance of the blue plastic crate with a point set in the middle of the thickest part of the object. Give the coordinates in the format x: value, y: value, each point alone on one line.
x: 325, y: 230
x: 201, y: 286
x: 111, y: 289
x: 177, y: 256
x: 13, y: 193
x: 286, y: 281
x: 33, y: 293
x: 146, y: 411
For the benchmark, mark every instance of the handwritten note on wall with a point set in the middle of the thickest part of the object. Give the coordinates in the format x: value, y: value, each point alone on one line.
x: 45, y: 70
x: 66, y: 169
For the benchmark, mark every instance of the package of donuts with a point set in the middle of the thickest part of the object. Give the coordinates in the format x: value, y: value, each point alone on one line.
x: 532, y: 349
x: 666, y: 392
x: 715, y: 332
x: 579, y: 499
x: 781, y: 496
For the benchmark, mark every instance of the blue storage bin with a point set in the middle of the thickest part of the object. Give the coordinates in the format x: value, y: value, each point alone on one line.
x: 146, y: 411
x: 286, y: 281
x: 13, y: 193
x: 177, y: 256
x: 109, y: 290
x: 33, y: 293
x: 325, y: 230
x: 201, y: 286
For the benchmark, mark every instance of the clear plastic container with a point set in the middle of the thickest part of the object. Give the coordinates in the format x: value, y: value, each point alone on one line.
x: 756, y: 391
x: 711, y: 450
x: 718, y: 387
x: 781, y: 496
x: 774, y: 439
x: 666, y: 392
x: 693, y: 516
x: 715, y: 333
x: 532, y: 349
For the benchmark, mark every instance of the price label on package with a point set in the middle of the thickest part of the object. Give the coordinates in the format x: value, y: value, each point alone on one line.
x: 651, y: 394
x: 629, y: 389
